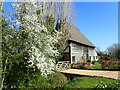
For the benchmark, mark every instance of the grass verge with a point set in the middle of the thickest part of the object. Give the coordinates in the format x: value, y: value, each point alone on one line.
x: 88, y: 82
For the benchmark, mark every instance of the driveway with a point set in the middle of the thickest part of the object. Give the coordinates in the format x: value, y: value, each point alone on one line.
x: 99, y: 73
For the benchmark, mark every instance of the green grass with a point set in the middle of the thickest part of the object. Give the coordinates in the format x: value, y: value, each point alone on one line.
x: 96, y: 65
x: 87, y: 82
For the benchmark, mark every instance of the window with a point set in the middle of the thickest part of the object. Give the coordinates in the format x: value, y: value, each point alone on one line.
x: 75, y: 46
x: 96, y: 57
x: 82, y: 57
x: 89, y: 57
x: 85, y: 50
x: 73, y: 58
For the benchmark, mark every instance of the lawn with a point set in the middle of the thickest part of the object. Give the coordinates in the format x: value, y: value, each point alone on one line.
x: 89, y: 82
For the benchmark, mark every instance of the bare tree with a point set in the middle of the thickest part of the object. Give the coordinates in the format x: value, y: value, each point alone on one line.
x: 114, y: 51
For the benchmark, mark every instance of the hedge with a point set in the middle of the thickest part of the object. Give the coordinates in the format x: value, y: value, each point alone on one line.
x: 81, y: 65
x: 110, y: 64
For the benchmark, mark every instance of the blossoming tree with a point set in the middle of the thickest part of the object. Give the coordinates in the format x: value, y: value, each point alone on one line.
x: 32, y: 40
x: 39, y: 43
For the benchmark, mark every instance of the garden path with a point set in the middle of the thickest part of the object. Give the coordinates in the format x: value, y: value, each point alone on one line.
x: 99, y: 73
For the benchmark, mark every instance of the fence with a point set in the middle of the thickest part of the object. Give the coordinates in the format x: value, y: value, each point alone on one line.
x: 63, y: 65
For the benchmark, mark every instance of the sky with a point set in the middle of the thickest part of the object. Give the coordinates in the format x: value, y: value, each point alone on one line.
x: 98, y: 21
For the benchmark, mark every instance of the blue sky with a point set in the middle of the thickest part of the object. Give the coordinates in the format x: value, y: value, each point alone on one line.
x: 98, y: 21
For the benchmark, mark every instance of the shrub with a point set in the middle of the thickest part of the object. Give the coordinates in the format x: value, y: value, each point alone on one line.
x: 88, y: 60
x: 35, y: 81
x: 110, y: 64
x: 38, y: 81
x: 93, y: 62
x: 79, y: 67
x: 57, y: 80
x: 83, y: 65
x: 96, y: 65
x: 14, y: 69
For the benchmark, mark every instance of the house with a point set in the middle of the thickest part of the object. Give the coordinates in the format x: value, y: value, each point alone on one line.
x: 79, y: 48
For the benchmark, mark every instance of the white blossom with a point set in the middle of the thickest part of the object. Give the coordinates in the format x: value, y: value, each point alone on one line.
x: 40, y: 45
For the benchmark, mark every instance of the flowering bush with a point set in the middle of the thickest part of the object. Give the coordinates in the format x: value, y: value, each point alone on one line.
x: 34, y: 38
x: 110, y: 64
x: 81, y: 65
x: 30, y: 41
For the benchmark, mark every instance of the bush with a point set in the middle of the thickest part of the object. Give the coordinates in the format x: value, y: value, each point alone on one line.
x: 93, y: 62
x: 96, y: 65
x: 78, y: 67
x: 88, y: 60
x: 14, y: 69
x: 57, y: 80
x: 84, y: 65
x: 37, y: 81
x: 110, y: 64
